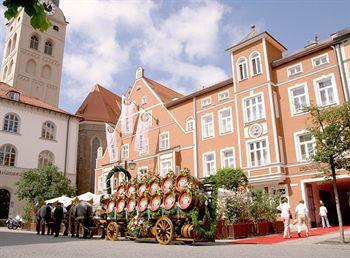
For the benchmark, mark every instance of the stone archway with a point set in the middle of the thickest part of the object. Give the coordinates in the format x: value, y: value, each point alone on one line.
x: 5, y: 198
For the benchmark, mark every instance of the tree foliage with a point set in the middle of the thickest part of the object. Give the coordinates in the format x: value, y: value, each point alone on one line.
x: 331, y: 130
x: 43, y: 184
x: 229, y: 178
x: 33, y: 8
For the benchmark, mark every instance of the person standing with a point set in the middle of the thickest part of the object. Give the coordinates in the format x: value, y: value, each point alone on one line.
x: 324, y: 215
x: 285, y: 216
x: 301, y: 213
x: 57, y: 219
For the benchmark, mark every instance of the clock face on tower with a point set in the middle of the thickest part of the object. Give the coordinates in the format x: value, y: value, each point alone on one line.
x: 49, y: 7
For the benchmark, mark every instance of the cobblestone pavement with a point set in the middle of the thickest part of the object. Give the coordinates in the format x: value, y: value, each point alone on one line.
x: 27, y: 244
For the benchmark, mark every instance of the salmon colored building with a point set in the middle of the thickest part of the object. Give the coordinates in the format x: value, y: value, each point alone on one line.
x: 254, y: 121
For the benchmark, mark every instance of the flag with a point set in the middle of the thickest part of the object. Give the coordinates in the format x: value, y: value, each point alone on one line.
x: 143, y: 125
x: 126, y: 116
x: 111, y: 143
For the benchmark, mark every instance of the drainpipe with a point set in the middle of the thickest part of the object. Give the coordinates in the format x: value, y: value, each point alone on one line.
x: 66, y: 150
x: 195, y: 138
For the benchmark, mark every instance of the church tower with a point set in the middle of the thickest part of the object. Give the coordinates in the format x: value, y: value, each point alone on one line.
x: 32, y: 60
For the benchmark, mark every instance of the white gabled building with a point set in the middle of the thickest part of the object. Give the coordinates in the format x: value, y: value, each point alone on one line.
x: 32, y: 133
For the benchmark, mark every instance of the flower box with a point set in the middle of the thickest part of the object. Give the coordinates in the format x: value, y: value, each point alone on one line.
x: 221, y: 230
x: 263, y: 228
x: 278, y: 226
x: 238, y: 230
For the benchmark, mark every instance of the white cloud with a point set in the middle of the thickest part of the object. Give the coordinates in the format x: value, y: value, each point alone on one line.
x: 94, y: 53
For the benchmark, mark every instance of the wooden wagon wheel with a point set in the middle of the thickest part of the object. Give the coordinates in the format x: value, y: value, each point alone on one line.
x: 112, y: 231
x: 164, y: 230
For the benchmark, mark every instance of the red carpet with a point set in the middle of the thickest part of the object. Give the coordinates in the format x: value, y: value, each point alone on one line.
x: 278, y: 238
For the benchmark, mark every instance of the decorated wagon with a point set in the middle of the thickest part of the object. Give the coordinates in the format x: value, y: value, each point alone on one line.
x: 174, y: 208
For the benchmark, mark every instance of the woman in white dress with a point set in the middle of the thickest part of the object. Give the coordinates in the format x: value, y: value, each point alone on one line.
x: 285, y: 216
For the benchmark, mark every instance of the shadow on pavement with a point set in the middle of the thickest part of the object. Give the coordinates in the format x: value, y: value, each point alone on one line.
x: 14, y: 238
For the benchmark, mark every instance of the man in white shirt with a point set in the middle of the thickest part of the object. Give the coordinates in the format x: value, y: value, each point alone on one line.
x: 324, y: 215
x: 285, y: 216
x: 301, y: 213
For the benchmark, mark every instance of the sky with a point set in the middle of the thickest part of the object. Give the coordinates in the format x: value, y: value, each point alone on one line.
x: 179, y: 43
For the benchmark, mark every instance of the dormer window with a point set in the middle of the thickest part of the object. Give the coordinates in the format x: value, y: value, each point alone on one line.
x: 144, y: 100
x: 13, y: 95
x: 295, y: 69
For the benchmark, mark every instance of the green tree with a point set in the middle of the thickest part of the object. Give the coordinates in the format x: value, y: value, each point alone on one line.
x: 43, y: 184
x: 331, y: 130
x: 229, y: 178
x: 263, y: 206
x: 33, y: 8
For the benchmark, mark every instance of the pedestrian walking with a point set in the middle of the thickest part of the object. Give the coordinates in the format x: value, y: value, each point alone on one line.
x: 301, y: 213
x: 324, y: 215
x: 57, y: 218
x: 285, y: 216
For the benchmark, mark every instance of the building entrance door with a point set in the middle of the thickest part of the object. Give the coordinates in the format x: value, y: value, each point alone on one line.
x: 311, y: 205
x: 5, y: 198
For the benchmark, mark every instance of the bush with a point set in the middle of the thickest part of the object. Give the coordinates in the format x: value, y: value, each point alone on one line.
x: 229, y: 178
x: 237, y: 208
x: 28, y: 212
x: 263, y: 206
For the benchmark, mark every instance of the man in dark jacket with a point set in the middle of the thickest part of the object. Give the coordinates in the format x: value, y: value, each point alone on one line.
x: 57, y: 218
x: 45, y: 217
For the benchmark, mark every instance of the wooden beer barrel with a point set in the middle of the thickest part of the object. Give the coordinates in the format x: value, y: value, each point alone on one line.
x: 120, y: 191
x: 186, y: 201
x: 142, y: 204
x: 187, y: 231
x: 182, y: 181
x: 120, y: 205
x: 130, y: 190
x: 110, y: 206
x: 169, y: 201
x: 154, y: 186
x: 141, y: 190
x: 130, y: 204
x: 167, y: 184
x: 155, y: 202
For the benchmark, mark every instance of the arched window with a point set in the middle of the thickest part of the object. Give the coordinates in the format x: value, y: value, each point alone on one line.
x: 13, y: 95
x: 48, y: 130
x: 242, y: 68
x: 34, y: 42
x: 95, y: 145
x: 255, y: 63
x: 31, y: 67
x: 7, y: 155
x: 10, y: 68
x: 14, y: 42
x: 11, y: 123
x: 189, y: 124
x: 8, y: 49
x: 4, y: 74
x: 48, y: 47
x: 46, y: 72
x: 45, y: 158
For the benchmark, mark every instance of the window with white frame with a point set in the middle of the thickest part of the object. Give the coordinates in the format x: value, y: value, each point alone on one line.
x: 164, y: 141
x: 223, y: 95
x: 207, y: 126
x: 295, y: 69
x: 326, y: 91
x: 144, y: 100
x: 125, y: 151
x: 225, y: 120
x: 209, y: 164
x: 114, y: 152
x: 299, y: 98
x: 206, y: 102
x: 165, y: 166
x: 11, y: 123
x: 254, y: 108
x: 255, y: 62
x: 45, y: 158
x: 128, y: 124
x: 306, y: 146
x: 48, y: 130
x: 320, y: 60
x: 242, y: 69
x: 227, y: 158
x: 143, y: 142
x: 100, y: 184
x: 189, y: 124
x: 142, y: 172
x: 258, y: 153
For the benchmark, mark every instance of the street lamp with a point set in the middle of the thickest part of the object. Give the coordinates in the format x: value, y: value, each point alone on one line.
x: 131, y: 164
